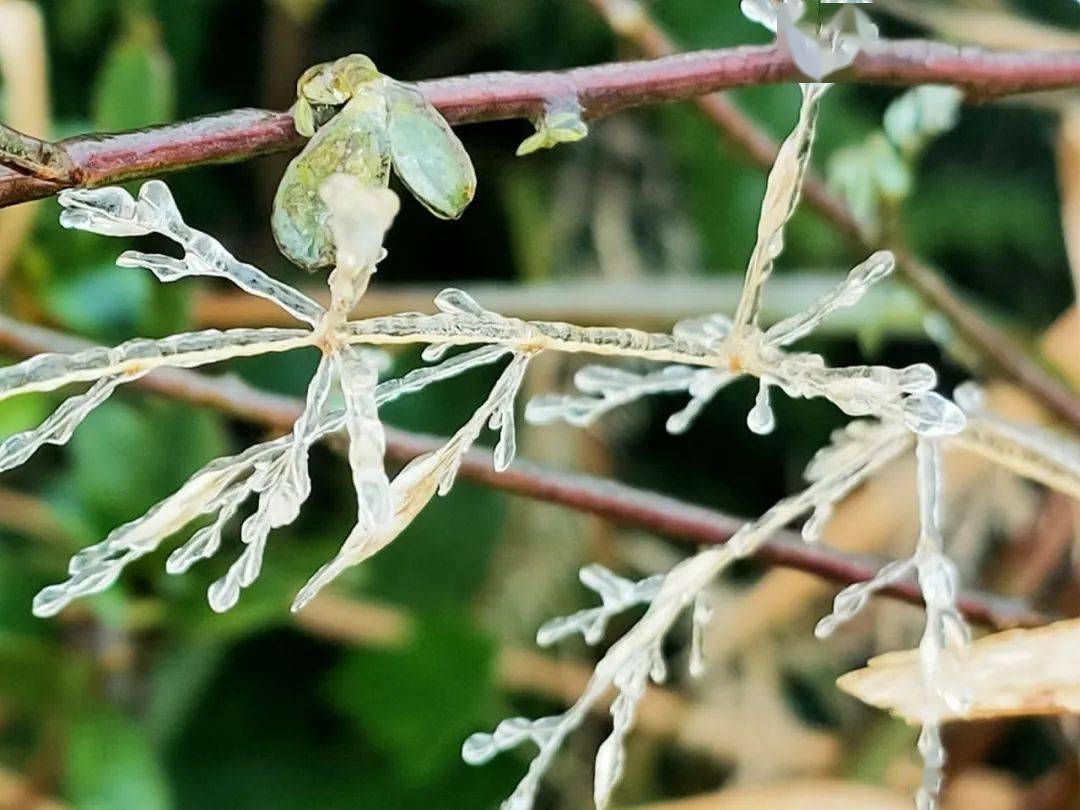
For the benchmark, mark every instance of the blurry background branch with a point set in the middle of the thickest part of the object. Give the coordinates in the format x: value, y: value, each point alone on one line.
x: 25, y: 106
x: 619, y: 503
x: 646, y: 303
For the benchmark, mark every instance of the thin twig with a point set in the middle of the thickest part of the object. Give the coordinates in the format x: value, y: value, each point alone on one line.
x: 41, y: 159
x: 630, y: 20
x: 617, y: 502
x: 600, y: 90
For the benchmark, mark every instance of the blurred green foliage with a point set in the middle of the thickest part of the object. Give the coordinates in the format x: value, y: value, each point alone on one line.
x: 144, y: 699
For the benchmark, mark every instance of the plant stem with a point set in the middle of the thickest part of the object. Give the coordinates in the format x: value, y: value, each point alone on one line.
x: 42, y: 159
x: 600, y: 90
x: 617, y: 502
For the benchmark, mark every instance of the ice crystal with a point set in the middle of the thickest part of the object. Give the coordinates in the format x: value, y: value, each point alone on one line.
x: 616, y: 593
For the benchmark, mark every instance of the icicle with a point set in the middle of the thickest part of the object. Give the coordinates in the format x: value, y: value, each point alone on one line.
x: 760, y: 419
x: 861, y: 278
x: 703, y: 387
x: 617, y: 595
x: 113, y: 212
x: 853, y: 598
x: 931, y: 415
x: 434, y: 352
x: 699, y: 619
x: 458, y: 302
x: 561, y: 122
x: 814, y: 526
x: 630, y: 680
x: 480, y: 748
x: 420, y: 378
x: 608, y: 388
x: 60, y: 425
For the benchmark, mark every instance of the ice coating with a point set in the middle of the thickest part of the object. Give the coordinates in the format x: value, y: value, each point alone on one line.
x: 897, y: 409
x: 616, y: 593
x: 561, y: 122
x: 113, y: 212
x: 816, y: 53
x: 782, y: 191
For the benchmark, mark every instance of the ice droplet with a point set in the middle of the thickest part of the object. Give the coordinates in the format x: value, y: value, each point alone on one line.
x: 970, y: 396
x: 699, y: 619
x: 561, y: 122
x: 814, y: 526
x: 760, y: 419
x: 930, y: 414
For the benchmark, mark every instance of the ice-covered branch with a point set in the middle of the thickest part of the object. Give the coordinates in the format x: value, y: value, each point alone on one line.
x: 422, y: 478
x: 95, y: 160
x: 631, y: 20
x: 61, y: 424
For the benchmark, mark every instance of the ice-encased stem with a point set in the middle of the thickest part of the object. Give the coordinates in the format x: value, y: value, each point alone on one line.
x: 781, y: 196
x: 112, y: 211
x: 679, y: 589
x: 46, y: 372
x: 945, y: 628
x: 367, y: 441
x: 416, y: 485
x: 527, y: 336
x: 60, y: 425
x: 1049, y: 458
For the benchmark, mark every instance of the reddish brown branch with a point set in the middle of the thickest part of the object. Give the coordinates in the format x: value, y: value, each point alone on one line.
x: 616, y: 502
x: 601, y: 89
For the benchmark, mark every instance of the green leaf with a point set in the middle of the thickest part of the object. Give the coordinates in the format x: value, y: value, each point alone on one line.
x: 112, y: 766
x: 135, y: 85
x: 104, y: 302
x: 22, y: 413
x: 868, y: 175
x: 428, y: 157
x: 419, y: 702
x: 125, y: 459
x: 178, y: 682
x: 920, y: 115
x: 442, y: 557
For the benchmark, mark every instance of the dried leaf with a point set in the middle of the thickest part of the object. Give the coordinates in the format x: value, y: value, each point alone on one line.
x: 816, y: 794
x: 1017, y: 672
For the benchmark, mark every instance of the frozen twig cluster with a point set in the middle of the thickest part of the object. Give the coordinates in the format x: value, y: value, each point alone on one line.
x: 895, y: 410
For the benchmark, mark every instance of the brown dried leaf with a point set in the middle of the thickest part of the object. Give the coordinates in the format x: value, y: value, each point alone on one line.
x: 810, y: 794
x: 1018, y: 672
